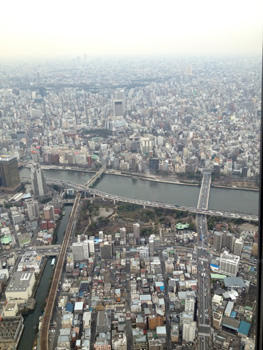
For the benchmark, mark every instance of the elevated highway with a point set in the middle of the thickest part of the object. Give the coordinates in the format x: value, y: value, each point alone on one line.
x: 202, y: 210
x: 193, y: 210
x: 44, y: 331
x: 203, y: 267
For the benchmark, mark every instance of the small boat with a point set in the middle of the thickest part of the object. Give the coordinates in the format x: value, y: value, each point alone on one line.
x: 53, y: 261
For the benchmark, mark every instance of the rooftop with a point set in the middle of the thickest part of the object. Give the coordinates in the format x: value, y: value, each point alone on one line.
x: 19, y: 281
x: 6, y: 158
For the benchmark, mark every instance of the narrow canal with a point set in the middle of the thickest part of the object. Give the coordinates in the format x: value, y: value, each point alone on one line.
x: 31, y: 319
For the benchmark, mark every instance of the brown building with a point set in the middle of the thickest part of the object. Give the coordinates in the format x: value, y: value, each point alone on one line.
x: 9, y: 174
x: 155, y: 321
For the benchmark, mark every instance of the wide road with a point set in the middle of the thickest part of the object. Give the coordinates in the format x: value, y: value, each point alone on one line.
x: 203, y: 268
x: 56, y: 277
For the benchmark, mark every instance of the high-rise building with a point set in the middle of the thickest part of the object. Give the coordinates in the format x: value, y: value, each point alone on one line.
x: 49, y: 213
x: 32, y: 209
x: 123, y: 234
x: 154, y: 164
x: 238, y: 246
x: 229, y: 241
x: 9, y: 174
x: 218, y: 240
x: 189, y: 306
x: 38, y: 181
x: 118, y: 104
x: 189, y: 331
x: 151, y: 244
x: 136, y: 231
x: 229, y: 263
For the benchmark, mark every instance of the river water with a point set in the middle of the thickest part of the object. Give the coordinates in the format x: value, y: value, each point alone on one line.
x: 31, y: 319
x: 233, y: 200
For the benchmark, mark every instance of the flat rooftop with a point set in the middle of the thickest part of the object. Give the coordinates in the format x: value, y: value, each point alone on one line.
x: 8, y: 327
x: 19, y: 281
x: 6, y: 158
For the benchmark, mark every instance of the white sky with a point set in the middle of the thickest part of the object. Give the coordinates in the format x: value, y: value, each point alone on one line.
x: 94, y: 27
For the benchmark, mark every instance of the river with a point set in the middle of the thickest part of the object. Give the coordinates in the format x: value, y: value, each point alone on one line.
x: 233, y: 200
x: 31, y: 319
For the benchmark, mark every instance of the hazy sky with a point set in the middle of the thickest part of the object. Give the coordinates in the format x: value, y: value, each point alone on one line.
x: 92, y: 27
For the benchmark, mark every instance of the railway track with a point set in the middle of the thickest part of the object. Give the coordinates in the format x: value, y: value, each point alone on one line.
x: 56, y: 277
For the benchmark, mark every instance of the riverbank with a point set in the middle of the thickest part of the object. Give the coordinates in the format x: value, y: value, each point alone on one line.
x: 150, y: 178
x: 175, y: 182
x: 235, y: 188
x: 144, y: 177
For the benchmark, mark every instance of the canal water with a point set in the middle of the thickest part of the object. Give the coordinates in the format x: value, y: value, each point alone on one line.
x: 31, y: 319
x: 233, y: 200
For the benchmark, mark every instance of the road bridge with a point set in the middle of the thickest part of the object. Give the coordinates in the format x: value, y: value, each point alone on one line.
x: 57, y: 275
x: 50, y: 250
x: 95, y: 177
x: 155, y: 204
x: 204, y: 190
x: 193, y: 210
x: 203, y: 267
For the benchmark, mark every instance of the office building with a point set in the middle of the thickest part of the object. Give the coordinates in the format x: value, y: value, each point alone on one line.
x: 229, y: 264
x: 229, y: 241
x: 238, y: 246
x: 189, y: 331
x: 151, y: 244
x: 217, y: 319
x: 80, y: 250
x: 154, y: 164
x: 38, y: 181
x: 218, y: 240
x: 20, y: 287
x: 32, y: 210
x: 189, y: 306
x: 136, y: 231
x: 118, y: 104
x: 123, y: 234
x: 9, y: 174
x: 106, y: 250
x: 11, y: 329
x: 49, y: 213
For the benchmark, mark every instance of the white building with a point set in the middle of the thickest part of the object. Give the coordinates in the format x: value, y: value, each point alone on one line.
x: 123, y: 234
x: 30, y: 261
x: 229, y: 263
x: 189, y: 306
x: 151, y: 244
x: 238, y: 246
x: 189, y: 331
x: 20, y: 287
x: 136, y: 231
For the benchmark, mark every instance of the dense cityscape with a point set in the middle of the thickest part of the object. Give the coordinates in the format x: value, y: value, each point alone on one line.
x: 115, y: 273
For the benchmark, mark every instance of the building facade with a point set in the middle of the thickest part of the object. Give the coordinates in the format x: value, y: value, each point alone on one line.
x: 9, y: 174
